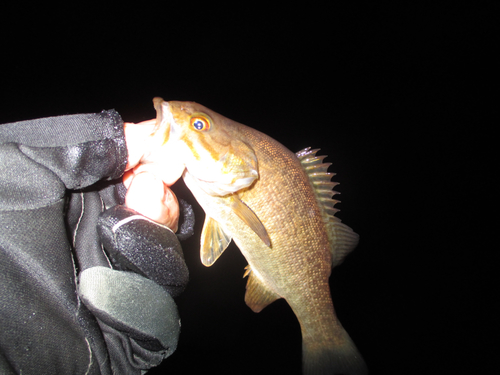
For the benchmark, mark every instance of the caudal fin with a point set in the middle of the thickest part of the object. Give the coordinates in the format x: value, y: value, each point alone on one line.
x: 338, y: 358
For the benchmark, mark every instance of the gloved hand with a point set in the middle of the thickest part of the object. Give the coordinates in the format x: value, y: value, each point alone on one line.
x: 58, y: 175
x: 133, y: 301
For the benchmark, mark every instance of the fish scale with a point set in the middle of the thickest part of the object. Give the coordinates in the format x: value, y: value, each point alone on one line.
x: 277, y: 207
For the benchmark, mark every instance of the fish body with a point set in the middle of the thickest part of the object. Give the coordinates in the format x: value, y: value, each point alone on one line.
x: 276, y: 206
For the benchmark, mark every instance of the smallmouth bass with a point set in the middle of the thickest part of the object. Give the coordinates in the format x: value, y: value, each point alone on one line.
x: 277, y: 207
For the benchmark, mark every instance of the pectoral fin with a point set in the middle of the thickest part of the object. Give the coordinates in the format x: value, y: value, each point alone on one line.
x: 213, y: 241
x: 258, y: 295
x: 246, y: 214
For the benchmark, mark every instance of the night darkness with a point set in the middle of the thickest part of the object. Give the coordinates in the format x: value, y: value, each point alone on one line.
x: 402, y: 100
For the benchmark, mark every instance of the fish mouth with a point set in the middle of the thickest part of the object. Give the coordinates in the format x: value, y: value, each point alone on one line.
x: 164, y: 119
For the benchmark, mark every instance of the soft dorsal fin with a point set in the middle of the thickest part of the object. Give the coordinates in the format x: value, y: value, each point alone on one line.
x: 213, y: 241
x: 257, y: 295
x: 343, y: 241
x: 342, y: 238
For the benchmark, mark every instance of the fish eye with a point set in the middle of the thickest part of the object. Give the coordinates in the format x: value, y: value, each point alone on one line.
x: 200, y: 123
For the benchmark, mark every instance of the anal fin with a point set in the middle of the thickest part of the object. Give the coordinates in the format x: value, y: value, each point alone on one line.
x: 213, y: 241
x: 258, y: 295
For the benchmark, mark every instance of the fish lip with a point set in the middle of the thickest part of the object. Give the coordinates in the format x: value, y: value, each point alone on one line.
x: 175, y: 130
x: 242, y: 179
x: 214, y: 187
x: 161, y: 131
x: 165, y: 121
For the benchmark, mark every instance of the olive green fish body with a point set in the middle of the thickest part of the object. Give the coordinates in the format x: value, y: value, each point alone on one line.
x: 276, y: 218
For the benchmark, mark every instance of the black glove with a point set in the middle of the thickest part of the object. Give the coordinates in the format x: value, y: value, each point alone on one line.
x: 136, y: 243
x: 129, y: 286
x: 57, y: 176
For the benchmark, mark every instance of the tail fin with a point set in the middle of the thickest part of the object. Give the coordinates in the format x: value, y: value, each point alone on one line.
x: 338, y: 358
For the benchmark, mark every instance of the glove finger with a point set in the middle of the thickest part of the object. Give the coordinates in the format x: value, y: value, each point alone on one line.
x: 137, y: 243
x: 132, y: 304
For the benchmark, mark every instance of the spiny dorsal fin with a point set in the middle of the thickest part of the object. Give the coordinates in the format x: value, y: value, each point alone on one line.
x: 257, y: 295
x: 213, y: 241
x: 320, y: 179
x: 342, y: 238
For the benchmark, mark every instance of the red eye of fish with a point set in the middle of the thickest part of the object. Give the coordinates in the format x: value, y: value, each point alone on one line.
x: 200, y: 123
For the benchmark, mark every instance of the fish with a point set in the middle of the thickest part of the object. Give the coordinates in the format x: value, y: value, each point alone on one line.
x: 278, y: 207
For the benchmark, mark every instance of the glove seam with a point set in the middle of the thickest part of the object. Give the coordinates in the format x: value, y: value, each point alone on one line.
x: 136, y: 217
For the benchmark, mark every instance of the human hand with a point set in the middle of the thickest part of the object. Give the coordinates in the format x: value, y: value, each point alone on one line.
x: 150, y: 170
x: 134, y: 299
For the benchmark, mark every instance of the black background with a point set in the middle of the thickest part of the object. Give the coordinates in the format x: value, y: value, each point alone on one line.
x: 402, y: 98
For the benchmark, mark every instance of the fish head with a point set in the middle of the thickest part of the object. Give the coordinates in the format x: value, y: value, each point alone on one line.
x: 209, y: 145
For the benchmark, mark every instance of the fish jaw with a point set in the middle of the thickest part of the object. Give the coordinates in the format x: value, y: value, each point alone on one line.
x: 221, y: 188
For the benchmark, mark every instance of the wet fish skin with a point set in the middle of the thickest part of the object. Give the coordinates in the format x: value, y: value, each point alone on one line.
x: 259, y: 194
